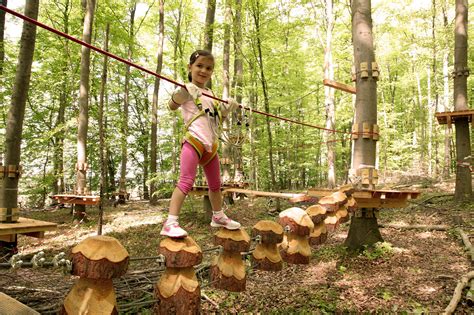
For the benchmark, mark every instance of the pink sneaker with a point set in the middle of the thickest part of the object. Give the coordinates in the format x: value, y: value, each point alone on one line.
x: 173, y: 230
x: 225, y: 222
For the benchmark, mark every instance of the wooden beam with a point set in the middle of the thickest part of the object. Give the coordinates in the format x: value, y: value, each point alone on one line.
x: 340, y: 86
x: 9, y: 305
x: 26, y: 226
x: 256, y: 193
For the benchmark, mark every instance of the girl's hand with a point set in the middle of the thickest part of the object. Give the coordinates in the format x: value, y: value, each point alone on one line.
x: 193, y: 90
x: 232, y: 104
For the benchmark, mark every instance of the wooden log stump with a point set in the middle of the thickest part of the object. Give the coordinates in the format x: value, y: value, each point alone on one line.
x: 266, y: 255
x: 331, y: 222
x: 351, y: 204
x: 334, y: 201
x: 228, y: 269
x: 317, y: 213
x: 319, y: 235
x: 342, y: 215
x: 97, y: 260
x: 178, y: 289
x: 295, y: 247
x: 296, y: 220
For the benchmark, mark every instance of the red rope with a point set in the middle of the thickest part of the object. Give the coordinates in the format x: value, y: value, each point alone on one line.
x: 33, y: 21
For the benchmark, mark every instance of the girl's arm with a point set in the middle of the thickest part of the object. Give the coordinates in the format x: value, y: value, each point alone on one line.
x: 183, y: 94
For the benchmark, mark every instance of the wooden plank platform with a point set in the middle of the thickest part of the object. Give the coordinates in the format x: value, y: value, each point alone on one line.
x: 28, y: 227
x: 256, y: 193
x: 340, y: 86
x: 9, y: 305
x: 77, y: 199
x: 450, y: 117
x: 373, y: 198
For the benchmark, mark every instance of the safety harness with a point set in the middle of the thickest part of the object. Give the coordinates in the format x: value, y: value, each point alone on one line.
x: 204, y: 156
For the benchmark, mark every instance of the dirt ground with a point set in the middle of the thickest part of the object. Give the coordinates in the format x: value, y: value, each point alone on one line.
x: 413, y: 271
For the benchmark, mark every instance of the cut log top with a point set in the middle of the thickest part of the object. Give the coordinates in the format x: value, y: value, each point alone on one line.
x: 177, y: 278
x: 351, y: 203
x: 333, y: 201
x: 234, y: 235
x: 298, y: 215
x: 268, y: 226
x: 348, y: 189
x: 315, y: 210
x: 186, y: 244
x: 268, y: 251
x: 341, y: 213
x: 101, y: 247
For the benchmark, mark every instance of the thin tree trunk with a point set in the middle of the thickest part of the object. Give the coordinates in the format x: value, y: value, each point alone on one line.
x: 2, y: 35
x: 209, y: 25
x: 83, y: 120
x: 102, y: 130
x: 447, y: 133
x: 154, y: 104
x: 237, y: 87
x: 16, y: 114
x: 329, y: 96
x: 364, y: 228
x: 256, y: 16
x: 123, y: 168
x: 463, y: 189
x: 226, y: 146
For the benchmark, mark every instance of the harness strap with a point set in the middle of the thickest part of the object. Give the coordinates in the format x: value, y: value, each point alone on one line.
x: 204, y: 156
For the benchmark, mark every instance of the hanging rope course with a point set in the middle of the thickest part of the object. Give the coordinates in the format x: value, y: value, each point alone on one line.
x: 128, y: 62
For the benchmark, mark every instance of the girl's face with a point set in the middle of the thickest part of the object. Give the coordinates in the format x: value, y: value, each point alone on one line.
x: 201, y: 70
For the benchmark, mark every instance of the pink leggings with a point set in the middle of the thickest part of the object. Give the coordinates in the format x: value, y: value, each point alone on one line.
x: 189, y: 161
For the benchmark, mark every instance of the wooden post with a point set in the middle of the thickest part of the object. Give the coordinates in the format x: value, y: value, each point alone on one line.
x: 298, y: 226
x: 318, y: 214
x: 178, y: 289
x: 96, y: 260
x: 266, y: 255
x: 228, y: 269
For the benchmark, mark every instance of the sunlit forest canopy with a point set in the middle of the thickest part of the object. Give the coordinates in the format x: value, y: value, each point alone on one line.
x: 413, y: 47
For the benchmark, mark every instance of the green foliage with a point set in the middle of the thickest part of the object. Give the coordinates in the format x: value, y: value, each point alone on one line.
x: 380, y: 250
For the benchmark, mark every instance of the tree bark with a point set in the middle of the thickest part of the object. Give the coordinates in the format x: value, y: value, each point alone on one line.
x: 463, y: 189
x: 64, y: 98
x: 16, y: 112
x: 154, y: 104
x: 447, y: 133
x: 364, y: 230
x: 83, y: 120
x: 329, y: 96
x: 2, y: 35
x: 124, y: 142
x: 209, y: 25
x: 226, y: 147
x: 237, y: 87
x: 256, y: 16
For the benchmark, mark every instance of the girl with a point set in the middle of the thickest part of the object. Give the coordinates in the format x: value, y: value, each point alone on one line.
x: 202, y: 116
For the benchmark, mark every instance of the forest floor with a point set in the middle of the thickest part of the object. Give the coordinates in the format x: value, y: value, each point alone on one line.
x: 413, y: 271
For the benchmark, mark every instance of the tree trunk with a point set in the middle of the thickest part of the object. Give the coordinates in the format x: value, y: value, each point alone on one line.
x: 364, y: 229
x: 16, y: 114
x: 209, y: 25
x: 463, y: 190
x: 83, y: 120
x: 2, y: 35
x: 154, y: 104
x: 123, y: 168
x: 237, y: 87
x: 447, y: 133
x: 228, y: 123
x: 329, y: 96
x: 64, y: 97
x: 102, y: 130
x: 256, y: 16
